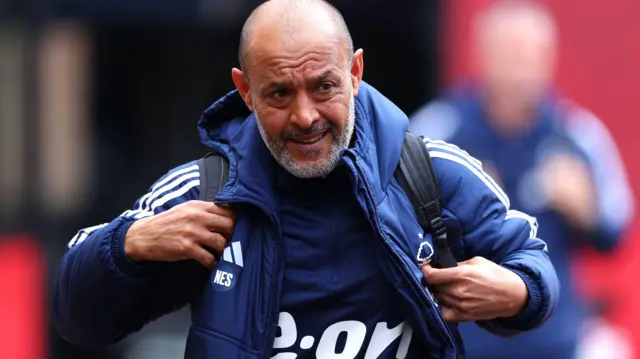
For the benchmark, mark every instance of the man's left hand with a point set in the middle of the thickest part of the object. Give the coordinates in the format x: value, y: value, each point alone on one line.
x: 477, y: 289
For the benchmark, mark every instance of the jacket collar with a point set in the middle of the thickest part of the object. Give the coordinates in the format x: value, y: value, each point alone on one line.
x: 228, y: 127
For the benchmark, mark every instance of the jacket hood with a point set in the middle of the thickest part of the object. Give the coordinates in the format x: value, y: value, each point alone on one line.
x: 222, y: 119
x: 227, y: 126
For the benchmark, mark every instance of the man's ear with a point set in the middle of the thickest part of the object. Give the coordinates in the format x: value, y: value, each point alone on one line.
x: 242, y: 84
x: 357, y: 69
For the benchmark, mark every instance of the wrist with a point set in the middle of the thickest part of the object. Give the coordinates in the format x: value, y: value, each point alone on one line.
x: 520, y: 295
x: 120, y: 257
x: 130, y: 243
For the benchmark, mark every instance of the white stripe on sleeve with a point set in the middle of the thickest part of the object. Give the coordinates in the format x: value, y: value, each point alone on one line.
x: 443, y: 150
x: 83, y: 234
x: 478, y: 172
x: 471, y: 163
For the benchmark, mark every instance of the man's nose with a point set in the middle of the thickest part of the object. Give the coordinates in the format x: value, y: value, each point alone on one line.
x: 304, y: 112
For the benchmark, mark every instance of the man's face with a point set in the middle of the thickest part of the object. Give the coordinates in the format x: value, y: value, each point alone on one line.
x: 302, y: 93
x: 517, y: 59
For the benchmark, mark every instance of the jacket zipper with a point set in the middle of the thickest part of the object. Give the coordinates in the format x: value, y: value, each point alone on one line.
x: 393, y: 253
x: 267, y: 345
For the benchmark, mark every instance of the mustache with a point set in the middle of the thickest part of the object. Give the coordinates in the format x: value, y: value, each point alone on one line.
x: 315, y: 128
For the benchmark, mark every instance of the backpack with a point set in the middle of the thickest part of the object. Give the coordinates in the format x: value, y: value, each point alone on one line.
x: 415, y: 174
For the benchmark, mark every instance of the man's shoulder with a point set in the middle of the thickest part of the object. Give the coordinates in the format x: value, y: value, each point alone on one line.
x: 178, y: 185
x: 446, y: 154
x: 461, y: 174
x: 184, y: 173
x: 439, y: 119
x: 580, y: 122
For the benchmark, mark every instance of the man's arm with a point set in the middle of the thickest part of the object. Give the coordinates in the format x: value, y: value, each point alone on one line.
x: 613, y: 193
x: 493, y: 231
x: 101, y: 295
x: 438, y: 120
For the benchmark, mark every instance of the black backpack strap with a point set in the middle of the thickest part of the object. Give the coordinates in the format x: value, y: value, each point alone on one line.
x: 417, y: 177
x: 214, y: 172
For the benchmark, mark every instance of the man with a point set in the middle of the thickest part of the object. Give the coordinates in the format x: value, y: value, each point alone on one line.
x: 554, y: 159
x: 322, y: 260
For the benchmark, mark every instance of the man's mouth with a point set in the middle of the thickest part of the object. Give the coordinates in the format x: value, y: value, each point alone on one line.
x: 310, y: 138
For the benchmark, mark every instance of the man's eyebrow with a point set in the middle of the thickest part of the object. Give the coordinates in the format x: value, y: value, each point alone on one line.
x: 277, y: 85
x: 323, y: 76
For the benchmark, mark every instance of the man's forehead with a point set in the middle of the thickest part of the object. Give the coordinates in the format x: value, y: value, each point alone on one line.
x: 299, y: 56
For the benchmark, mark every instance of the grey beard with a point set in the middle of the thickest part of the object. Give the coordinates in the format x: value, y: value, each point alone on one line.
x: 340, y: 142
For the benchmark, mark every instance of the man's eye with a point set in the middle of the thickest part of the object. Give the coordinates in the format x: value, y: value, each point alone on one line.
x: 279, y: 94
x: 326, y: 86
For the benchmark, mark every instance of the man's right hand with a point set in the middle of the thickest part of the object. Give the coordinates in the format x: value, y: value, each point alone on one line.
x: 187, y: 231
x: 570, y: 189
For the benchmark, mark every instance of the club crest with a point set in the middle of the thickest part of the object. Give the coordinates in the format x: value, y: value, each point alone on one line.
x: 425, y: 253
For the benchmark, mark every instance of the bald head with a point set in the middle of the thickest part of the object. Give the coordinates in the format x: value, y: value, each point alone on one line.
x: 515, y: 34
x: 528, y: 18
x: 286, y: 20
x: 515, y: 43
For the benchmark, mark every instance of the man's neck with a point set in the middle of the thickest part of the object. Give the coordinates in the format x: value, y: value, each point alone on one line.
x: 509, y: 120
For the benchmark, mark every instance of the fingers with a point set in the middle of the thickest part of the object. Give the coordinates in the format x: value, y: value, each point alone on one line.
x: 454, y: 309
x: 213, y: 241
x: 221, y: 210
x: 436, y: 276
x: 447, y: 300
x: 202, y: 247
x: 213, y: 218
x: 452, y: 315
x: 219, y: 224
x: 204, y: 257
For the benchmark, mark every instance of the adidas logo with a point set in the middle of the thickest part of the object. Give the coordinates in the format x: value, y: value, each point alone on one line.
x: 226, y: 274
x: 233, y: 254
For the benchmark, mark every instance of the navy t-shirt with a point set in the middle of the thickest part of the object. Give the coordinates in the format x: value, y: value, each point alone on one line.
x: 335, y: 302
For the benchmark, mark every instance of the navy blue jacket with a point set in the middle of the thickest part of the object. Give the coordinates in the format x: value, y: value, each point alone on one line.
x: 101, y: 296
x: 560, y: 126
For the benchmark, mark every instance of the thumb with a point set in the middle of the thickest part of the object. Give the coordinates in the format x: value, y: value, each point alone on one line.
x: 436, y: 276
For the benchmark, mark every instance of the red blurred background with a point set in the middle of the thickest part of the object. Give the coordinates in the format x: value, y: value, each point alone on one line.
x: 598, y: 68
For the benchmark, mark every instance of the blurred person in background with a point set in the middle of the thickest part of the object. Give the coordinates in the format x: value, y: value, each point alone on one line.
x: 325, y: 242
x: 555, y: 159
